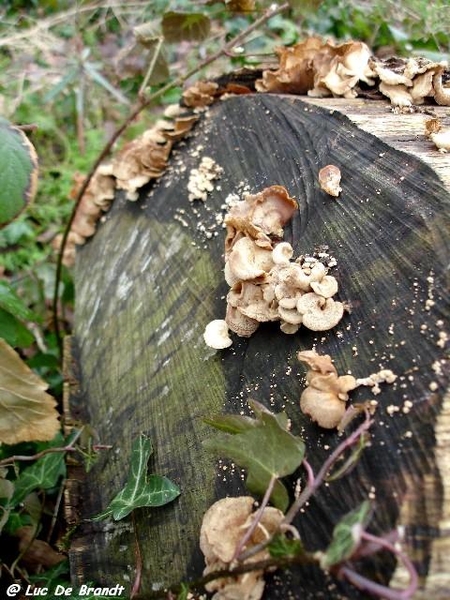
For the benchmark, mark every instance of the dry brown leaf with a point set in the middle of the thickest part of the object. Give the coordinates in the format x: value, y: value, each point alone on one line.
x: 27, y: 412
x: 37, y: 553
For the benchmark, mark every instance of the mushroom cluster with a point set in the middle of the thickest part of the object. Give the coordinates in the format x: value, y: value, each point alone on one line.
x: 319, y: 68
x: 95, y: 202
x: 322, y: 68
x: 224, y: 525
x: 265, y: 283
x: 324, y: 399
x: 408, y: 82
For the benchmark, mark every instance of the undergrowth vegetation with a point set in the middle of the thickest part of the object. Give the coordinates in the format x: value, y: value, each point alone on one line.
x: 71, y: 74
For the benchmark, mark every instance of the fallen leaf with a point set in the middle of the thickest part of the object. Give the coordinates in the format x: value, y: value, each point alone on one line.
x: 27, y: 412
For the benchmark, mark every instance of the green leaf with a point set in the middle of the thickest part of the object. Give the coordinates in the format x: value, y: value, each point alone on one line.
x: 13, y: 331
x: 352, y: 459
x: 263, y: 447
x: 140, y: 489
x: 18, y: 172
x: 346, y: 535
x: 41, y: 475
x: 190, y: 27
x: 12, y: 303
x: 281, y: 547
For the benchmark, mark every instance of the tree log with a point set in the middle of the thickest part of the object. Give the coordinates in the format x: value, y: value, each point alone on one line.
x: 152, y: 278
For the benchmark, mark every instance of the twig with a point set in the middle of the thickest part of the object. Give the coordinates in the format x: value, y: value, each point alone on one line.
x: 6, y: 462
x: 141, y: 105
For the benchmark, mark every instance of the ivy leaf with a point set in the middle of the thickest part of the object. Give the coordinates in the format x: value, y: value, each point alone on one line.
x: 18, y: 172
x: 347, y: 535
x: 281, y: 547
x: 141, y: 489
x: 177, y: 26
x: 27, y: 412
x: 263, y: 447
x: 43, y: 475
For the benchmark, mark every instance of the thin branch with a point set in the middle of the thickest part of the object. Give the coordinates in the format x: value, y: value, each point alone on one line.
x: 137, y: 579
x: 7, y: 462
x: 141, y: 105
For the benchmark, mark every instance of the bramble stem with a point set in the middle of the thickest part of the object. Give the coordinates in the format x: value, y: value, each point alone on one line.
x: 142, y: 103
x: 256, y: 519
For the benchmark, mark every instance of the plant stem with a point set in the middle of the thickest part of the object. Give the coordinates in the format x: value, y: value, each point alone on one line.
x: 143, y: 103
x: 314, y: 482
x: 256, y: 519
x: 7, y: 462
x: 317, y: 481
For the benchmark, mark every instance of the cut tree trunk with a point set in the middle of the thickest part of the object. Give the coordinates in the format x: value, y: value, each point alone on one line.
x: 152, y: 278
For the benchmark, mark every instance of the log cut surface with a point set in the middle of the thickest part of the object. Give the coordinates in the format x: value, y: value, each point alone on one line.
x: 152, y: 278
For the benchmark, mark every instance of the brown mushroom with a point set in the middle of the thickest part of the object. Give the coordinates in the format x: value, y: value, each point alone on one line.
x: 326, y: 393
x: 224, y: 525
x: 329, y: 180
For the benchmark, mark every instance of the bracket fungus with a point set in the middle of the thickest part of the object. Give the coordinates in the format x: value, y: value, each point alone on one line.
x: 266, y: 283
x: 224, y: 525
x: 324, y: 399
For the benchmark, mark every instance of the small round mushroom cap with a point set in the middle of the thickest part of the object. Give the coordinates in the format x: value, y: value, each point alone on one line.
x: 282, y: 253
x: 329, y: 180
x: 290, y: 315
x: 327, y: 287
x: 319, y: 314
x: 216, y: 335
x: 323, y: 407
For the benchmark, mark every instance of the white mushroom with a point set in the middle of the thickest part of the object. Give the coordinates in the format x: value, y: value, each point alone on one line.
x: 248, y: 261
x: 319, y: 314
x: 327, y: 287
x: 216, y: 335
x: 282, y: 253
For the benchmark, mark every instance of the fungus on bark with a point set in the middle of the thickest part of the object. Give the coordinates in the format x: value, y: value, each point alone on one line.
x: 324, y: 399
x: 224, y: 525
x: 330, y: 179
x: 216, y: 335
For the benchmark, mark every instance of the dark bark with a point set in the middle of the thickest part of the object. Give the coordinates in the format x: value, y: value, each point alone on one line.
x: 149, y: 282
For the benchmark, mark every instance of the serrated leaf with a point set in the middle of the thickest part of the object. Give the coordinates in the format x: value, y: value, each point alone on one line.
x: 12, y: 303
x: 281, y: 547
x: 346, y: 535
x: 18, y: 172
x: 177, y: 26
x: 265, y: 450
x: 41, y: 475
x: 140, y: 489
x: 27, y: 412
